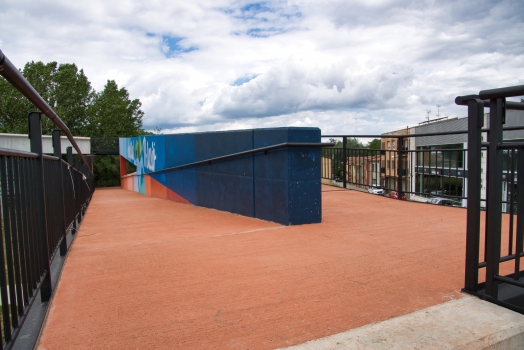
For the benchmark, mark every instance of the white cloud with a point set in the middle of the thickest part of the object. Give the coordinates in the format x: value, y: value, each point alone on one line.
x: 344, y: 66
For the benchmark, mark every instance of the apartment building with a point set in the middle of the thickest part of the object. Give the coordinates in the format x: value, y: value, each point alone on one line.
x: 441, y: 167
x: 390, y: 160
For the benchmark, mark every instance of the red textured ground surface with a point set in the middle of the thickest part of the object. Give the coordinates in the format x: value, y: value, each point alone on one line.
x: 151, y: 273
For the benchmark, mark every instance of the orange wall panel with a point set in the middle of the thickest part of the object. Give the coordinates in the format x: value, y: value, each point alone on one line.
x: 158, y: 190
x: 148, y: 180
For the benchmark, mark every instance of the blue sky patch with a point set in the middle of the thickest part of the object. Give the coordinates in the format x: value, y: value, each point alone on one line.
x: 242, y: 80
x: 172, y: 46
x: 264, y: 32
x: 265, y: 19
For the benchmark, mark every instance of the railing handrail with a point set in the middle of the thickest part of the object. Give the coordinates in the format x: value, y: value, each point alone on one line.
x: 510, y: 91
x: 463, y: 101
x: 13, y: 75
x: 444, y: 133
x: 17, y: 153
x: 386, y: 136
x: 245, y: 153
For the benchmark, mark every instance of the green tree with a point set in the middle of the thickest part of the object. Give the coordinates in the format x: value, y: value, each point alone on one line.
x: 109, y: 113
x: 350, y: 143
x: 65, y: 89
x: 374, y: 144
x: 113, y: 114
x: 14, y: 108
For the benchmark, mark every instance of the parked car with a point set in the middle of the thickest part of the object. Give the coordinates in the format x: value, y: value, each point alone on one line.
x: 444, y: 201
x: 394, y: 195
x: 439, y: 193
x: 376, y: 189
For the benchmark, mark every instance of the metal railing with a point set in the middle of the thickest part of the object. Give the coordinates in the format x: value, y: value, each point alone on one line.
x: 484, y: 177
x: 399, y: 170
x: 42, y: 199
x: 494, y: 250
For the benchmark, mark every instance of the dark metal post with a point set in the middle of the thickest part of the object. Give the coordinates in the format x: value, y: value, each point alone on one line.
x: 475, y: 124
x: 69, y: 151
x: 400, y: 155
x: 35, y: 136
x: 57, y: 148
x: 344, y: 161
x: 494, y: 197
x: 520, y: 212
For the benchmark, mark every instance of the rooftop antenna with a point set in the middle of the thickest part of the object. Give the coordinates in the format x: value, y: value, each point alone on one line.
x: 438, y: 111
x: 429, y: 111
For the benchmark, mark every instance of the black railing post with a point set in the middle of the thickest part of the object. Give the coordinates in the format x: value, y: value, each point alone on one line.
x: 35, y: 136
x: 57, y: 148
x: 344, y: 162
x: 400, y: 155
x: 69, y: 151
x: 494, y: 197
x: 475, y: 124
x: 520, y: 213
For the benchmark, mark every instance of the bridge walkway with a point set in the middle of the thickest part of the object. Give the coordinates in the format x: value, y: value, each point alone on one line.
x: 150, y: 273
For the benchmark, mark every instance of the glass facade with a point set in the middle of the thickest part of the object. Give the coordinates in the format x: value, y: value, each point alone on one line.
x: 442, y: 156
x: 440, y: 170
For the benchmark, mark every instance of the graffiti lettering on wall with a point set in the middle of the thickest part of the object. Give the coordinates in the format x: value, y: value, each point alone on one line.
x: 142, y: 153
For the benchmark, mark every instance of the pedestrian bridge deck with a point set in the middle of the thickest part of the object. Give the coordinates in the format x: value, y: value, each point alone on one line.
x: 149, y: 273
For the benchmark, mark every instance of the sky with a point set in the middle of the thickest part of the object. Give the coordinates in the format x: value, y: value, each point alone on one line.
x: 349, y: 67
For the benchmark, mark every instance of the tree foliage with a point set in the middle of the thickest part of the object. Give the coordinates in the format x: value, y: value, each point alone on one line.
x: 355, y: 143
x: 374, y: 144
x: 113, y: 114
x: 67, y: 90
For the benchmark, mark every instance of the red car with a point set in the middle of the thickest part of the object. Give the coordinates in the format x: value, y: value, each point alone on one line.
x: 394, y: 195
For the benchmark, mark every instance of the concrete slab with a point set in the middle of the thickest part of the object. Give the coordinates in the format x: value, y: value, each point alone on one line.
x: 467, y: 323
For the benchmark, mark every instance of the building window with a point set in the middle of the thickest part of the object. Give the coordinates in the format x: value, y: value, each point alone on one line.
x: 442, y: 156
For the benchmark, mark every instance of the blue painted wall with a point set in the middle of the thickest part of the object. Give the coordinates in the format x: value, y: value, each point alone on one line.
x: 282, y: 185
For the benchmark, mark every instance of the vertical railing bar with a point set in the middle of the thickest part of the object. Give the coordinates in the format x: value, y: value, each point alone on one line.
x: 511, y: 199
x: 449, y: 172
x: 35, y: 132
x: 25, y: 228
x: 520, y: 214
x: 456, y: 173
x: 28, y: 228
x: 400, y: 154
x: 475, y: 124
x: 18, y: 242
x: 344, y: 162
x: 423, y: 180
x: 3, y: 258
x: 494, y: 198
x: 14, y: 237
x: 8, y: 243
x: 35, y: 232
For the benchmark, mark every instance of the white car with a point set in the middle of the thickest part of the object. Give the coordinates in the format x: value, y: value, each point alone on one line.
x: 376, y: 189
x: 444, y: 201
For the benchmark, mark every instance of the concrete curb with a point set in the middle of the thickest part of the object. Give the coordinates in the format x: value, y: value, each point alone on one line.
x: 466, y: 323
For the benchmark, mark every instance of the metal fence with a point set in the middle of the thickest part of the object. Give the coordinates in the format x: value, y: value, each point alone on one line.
x: 397, y: 169
x: 494, y: 248
x: 42, y: 198
x: 484, y: 177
